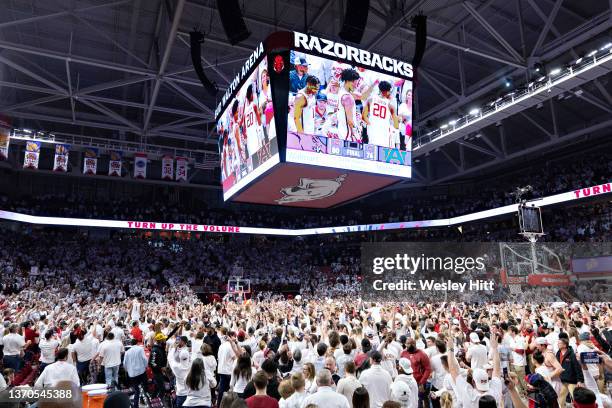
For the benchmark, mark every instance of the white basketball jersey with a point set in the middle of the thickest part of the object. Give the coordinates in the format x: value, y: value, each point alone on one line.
x: 236, y: 158
x: 344, y: 132
x: 308, y: 113
x: 379, y: 116
x: 332, y: 103
x: 252, y: 128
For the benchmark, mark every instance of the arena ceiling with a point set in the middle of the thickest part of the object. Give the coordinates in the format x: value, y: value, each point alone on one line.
x: 120, y: 70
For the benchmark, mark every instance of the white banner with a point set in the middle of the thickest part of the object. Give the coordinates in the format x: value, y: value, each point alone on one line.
x: 90, y: 160
x: 114, y: 165
x: 167, y: 170
x: 140, y: 165
x: 181, y: 169
x: 90, y: 165
x: 32, y: 152
x: 60, y: 163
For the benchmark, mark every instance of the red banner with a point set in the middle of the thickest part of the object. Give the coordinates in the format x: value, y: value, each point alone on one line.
x: 549, y: 280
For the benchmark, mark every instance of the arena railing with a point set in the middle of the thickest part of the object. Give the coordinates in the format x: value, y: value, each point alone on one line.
x: 556, y: 82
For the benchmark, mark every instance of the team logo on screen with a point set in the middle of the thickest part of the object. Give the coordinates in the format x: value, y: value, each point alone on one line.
x: 311, y: 189
x: 393, y: 156
x: 279, y: 64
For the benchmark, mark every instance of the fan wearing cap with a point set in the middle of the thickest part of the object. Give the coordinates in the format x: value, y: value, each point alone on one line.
x: 404, y: 388
x: 586, y: 346
x: 550, y: 361
x: 158, y: 359
x: 483, y: 387
x: 476, y: 353
x: 297, y: 76
x: 320, y: 114
x: 377, y: 381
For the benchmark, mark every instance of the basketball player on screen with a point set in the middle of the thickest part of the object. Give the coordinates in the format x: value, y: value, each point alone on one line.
x: 252, y: 123
x: 235, y: 133
x: 379, y: 115
x: 347, y: 109
x: 304, y: 106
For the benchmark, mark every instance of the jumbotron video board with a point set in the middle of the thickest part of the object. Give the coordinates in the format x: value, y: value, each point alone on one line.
x: 309, y: 122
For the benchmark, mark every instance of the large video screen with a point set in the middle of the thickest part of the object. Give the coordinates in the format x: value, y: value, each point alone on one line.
x: 338, y: 109
x: 247, y: 132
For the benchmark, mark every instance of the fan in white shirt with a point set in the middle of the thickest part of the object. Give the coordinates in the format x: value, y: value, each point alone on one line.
x: 299, y: 394
x: 476, y: 353
x: 58, y: 371
x: 377, y: 381
x: 485, y: 388
x: 325, y: 395
x: 48, y: 346
x: 405, y: 388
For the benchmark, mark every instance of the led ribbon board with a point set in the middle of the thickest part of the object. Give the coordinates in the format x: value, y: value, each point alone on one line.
x: 569, y: 196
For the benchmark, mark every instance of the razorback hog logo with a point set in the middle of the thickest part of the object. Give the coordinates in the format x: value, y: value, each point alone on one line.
x: 311, y: 189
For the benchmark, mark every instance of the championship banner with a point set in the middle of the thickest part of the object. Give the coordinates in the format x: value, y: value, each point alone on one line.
x: 114, y: 165
x: 32, y: 152
x: 4, y: 142
x: 167, y: 170
x: 140, y: 165
x: 61, y: 157
x: 181, y: 169
x: 90, y: 160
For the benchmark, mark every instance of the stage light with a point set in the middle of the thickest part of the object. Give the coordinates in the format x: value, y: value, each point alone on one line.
x: 507, y: 82
x: 605, y: 47
x: 590, y: 54
x: 578, y: 61
x: 538, y: 67
x: 555, y: 71
x: 474, y: 111
x: 452, y: 122
x: 541, y: 79
x: 444, y: 126
x: 530, y: 85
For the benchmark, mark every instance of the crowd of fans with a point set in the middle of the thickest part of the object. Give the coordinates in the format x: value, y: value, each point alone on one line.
x: 135, y: 313
x: 145, y: 313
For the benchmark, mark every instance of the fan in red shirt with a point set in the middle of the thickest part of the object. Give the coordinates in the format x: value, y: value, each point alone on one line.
x: 136, y: 333
x: 419, y: 361
x: 261, y: 399
x: 31, y: 337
